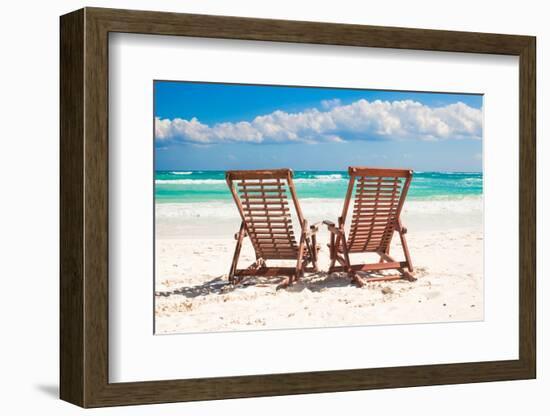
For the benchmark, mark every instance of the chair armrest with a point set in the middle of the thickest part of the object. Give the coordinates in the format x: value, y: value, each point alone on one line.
x: 245, y: 234
x: 400, y: 228
x: 332, y: 227
x: 315, y: 227
x: 312, y: 229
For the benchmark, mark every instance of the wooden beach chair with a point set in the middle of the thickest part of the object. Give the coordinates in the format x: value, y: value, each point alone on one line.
x: 378, y: 200
x: 261, y: 197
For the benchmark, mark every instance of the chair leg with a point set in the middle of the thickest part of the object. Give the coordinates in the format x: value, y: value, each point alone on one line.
x: 299, y: 265
x: 346, y: 254
x: 332, y: 250
x: 355, y: 278
x: 314, y: 252
x: 236, y: 255
x: 406, y: 251
x: 308, y: 253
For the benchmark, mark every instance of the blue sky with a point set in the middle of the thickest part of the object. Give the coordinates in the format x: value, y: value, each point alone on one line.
x: 226, y: 126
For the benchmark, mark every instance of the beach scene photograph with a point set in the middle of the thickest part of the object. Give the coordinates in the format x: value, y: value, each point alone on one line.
x: 291, y: 207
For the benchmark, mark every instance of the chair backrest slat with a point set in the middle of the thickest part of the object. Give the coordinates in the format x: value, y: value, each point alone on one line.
x: 261, y: 197
x: 378, y: 196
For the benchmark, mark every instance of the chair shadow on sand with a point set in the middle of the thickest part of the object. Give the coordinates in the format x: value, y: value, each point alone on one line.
x: 215, y: 285
x: 314, y: 282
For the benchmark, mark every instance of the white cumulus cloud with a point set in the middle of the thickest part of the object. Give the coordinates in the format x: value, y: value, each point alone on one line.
x: 360, y: 120
x: 326, y: 104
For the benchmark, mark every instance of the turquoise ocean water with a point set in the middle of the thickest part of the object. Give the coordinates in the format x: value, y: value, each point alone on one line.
x: 210, y: 186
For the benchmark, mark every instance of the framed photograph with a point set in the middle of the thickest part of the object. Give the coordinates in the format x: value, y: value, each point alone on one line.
x: 255, y: 207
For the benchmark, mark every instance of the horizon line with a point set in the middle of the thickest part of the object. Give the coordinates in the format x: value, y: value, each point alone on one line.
x: 314, y: 170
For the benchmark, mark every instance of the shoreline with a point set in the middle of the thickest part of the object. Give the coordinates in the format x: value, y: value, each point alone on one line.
x: 221, y: 219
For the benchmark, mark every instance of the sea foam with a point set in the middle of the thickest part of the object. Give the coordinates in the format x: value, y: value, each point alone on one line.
x: 315, y: 209
x: 189, y: 181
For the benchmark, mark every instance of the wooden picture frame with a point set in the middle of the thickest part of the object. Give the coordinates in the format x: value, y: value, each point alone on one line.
x: 84, y: 207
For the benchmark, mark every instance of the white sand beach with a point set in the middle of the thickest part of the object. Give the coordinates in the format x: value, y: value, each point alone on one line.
x: 194, y: 248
